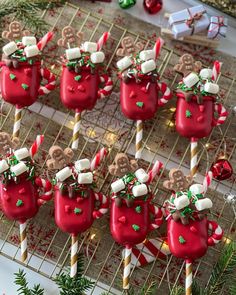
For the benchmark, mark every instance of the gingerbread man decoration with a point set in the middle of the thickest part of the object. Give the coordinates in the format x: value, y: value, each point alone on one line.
x: 59, y: 157
x: 6, y: 143
x: 70, y: 37
x: 178, y: 181
x: 128, y: 47
x: 15, y: 32
x: 122, y: 165
x: 187, y: 64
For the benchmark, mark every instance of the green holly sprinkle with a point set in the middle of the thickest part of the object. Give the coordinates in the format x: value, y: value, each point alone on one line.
x: 19, y: 203
x: 12, y: 76
x: 182, y: 240
x: 138, y: 209
x: 188, y: 114
x: 31, y: 62
x: 77, y: 78
x: 77, y: 211
x: 135, y: 227
x: 24, y: 86
x: 139, y: 104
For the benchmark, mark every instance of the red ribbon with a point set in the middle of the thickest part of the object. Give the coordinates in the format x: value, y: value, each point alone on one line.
x: 218, y: 26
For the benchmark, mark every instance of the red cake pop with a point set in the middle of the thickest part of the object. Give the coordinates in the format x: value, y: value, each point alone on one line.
x: 131, y: 207
x: 20, y: 188
x: 75, y: 198
x: 83, y: 78
x: 21, y: 72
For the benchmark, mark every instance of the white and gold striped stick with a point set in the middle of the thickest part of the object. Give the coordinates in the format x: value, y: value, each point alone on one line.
x: 127, y: 267
x: 189, y: 278
x: 139, y: 138
x: 75, y: 138
x: 74, y: 255
x: 17, y: 121
x: 23, y: 242
x: 193, y: 161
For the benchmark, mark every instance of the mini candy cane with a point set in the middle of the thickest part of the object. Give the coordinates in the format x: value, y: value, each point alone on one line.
x: 47, y: 190
x: 107, y: 88
x: 46, y: 89
x: 45, y: 39
x: 158, y: 46
x: 36, y: 144
x: 217, y: 233
x: 220, y: 109
x: 154, y: 171
x: 207, y: 181
x: 216, y: 70
x: 102, y: 41
x: 104, y: 205
x: 98, y: 159
x: 166, y: 93
x: 158, y: 216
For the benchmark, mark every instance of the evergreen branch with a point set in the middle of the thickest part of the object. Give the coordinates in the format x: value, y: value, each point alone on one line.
x: 177, y: 290
x: 197, y: 290
x: 149, y: 290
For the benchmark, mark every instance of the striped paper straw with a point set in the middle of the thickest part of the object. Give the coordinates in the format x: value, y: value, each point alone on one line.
x: 17, y: 121
x: 139, y: 138
x: 23, y: 242
x: 127, y: 267
x: 76, y: 129
x: 74, y: 256
x: 188, y: 278
x: 193, y: 161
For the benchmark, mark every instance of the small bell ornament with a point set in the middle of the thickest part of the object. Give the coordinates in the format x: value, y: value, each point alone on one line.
x: 222, y: 168
x: 152, y: 6
x: 125, y: 4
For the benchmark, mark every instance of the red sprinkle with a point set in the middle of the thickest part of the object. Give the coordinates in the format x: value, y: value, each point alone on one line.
x: 81, y: 88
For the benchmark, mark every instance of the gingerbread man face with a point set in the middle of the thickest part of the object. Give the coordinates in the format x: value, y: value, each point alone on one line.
x: 59, y: 157
x: 70, y: 37
x: 15, y: 32
x: 128, y: 47
x: 122, y: 165
x: 178, y: 181
x: 187, y: 64
x: 6, y: 143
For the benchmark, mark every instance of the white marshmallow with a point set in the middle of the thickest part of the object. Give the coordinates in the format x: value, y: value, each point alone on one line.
x: 206, y: 73
x: 97, y: 57
x: 9, y: 48
x: 147, y: 54
x: 148, y: 66
x: 141, y: 175
x: 203, y: 204
x: 90, y: 47
x: 140, y: 190
x: 63, y: 174
x: 73, y: 53
x: 31, y: 51
x: 85, y: 178
x: 21, y: 154
x: 3, y: 166
x: 191, y: 80
x: 181, y: 202
x: 212, y: 88
x: 19, y: 168
x: 82, y: 164
x: 124, y: 63
x: 196, y: 189
x: 117, y: 186
x: 29, y: 40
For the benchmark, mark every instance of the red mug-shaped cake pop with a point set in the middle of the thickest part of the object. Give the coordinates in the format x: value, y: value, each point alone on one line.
x: 131, y: 210
x: 20, y: 188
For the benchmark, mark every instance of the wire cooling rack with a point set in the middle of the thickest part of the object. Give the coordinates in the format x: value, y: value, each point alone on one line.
x: 49, y: 248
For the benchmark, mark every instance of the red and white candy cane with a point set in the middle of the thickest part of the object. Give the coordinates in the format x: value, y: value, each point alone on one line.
x: 47, y: 190
x: 103, y: 207
x: 167, y: 95
x: 217, y: 233
x: 158, y: 216
x: 220, y: 109
x: 46, y: 89
x: 107, y: 83
x: 97, y: 160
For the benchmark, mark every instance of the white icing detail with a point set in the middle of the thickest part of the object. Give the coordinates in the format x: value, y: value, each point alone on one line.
x: 141, y: 175
x: 73, y: 53
x: 63, y: 174
x: 9, y: 48
x: 85, y: 178
x: 117, y: 185
x: 140, y: 190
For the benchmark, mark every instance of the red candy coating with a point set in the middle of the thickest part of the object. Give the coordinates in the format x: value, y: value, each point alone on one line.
x: 12, y: 83
x: 222, y: 169
x: 193, y: 119
x: 79, y: 91
x: 152, y: 6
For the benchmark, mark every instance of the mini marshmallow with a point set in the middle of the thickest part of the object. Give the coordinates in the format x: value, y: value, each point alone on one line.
x: 73, y: 53
x: 117, y: 186
x: 21, y: 154
x: 31, y: 51
x: 148, y: 66
x: 3, y: 166
x: 147, y: 54
x: 97, y: 57
x: 141, y: 175
x: 19, y: 168
x: 196, y: 189
x: 211, y: 87
x: 9, y: 48
x: 191, y: 80
x: 29, y: 40
x: 90, y: 47
x: 203, y: 204
x: 63, y: 174
x: 140, y: 190
x: 85, y: 178
x: 181, y: 202
x: 124, y: 63
x: 206, y: 73
x: 82, y: 164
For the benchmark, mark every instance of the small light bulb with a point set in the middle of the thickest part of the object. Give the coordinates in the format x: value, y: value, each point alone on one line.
x: 172, y: 109
x: 227, y: 240
x: 93, y: 236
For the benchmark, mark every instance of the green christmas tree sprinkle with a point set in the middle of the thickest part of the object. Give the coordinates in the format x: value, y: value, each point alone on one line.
x: 77, y: 78
x: 139, y: 104
x: 138, y: 209
x: 19, y: 203
x: 182, y: 240
x: 12, y: 76
x: 24, y: 86
x: 188, y: 114
x: 77, y: 211
x: 136, y: 227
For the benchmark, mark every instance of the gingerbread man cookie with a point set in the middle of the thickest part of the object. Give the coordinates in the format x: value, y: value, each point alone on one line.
x: 128, y: 47
x: 15, y: 32
x: 187, y: 64
x: 59, y: 157
x: 178, y: 181
x: 122, y: 165
x: 69, y: 37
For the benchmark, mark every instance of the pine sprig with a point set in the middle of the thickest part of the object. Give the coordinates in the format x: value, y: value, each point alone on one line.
x: 20, y: 280
x: 177, y: 290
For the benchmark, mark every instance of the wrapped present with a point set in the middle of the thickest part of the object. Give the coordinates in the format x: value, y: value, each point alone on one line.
x: 218, y: 27
x: 189, y: 21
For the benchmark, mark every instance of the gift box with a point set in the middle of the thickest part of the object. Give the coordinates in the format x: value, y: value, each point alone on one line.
x: 189, y: 21
x: 218, y: 27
